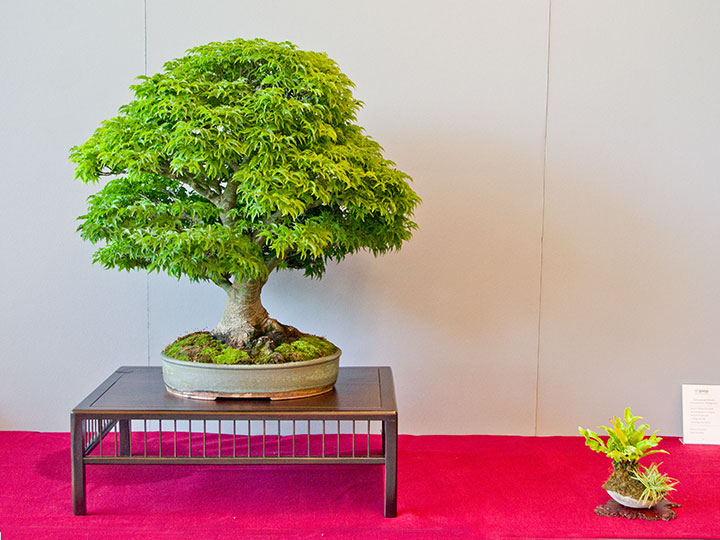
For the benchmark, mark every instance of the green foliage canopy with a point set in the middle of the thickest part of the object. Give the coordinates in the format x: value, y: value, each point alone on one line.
x: 239, y: 158
x: 626, y: 442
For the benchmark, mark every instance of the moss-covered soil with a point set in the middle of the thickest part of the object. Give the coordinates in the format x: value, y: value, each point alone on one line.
x: 621, y: 480
x: 204, y: 348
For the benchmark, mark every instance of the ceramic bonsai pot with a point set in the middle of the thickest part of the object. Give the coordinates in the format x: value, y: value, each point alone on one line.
x: 628, y: 501
x: 275, y: 381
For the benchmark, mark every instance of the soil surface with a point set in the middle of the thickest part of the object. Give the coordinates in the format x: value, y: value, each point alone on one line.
x: 204, y: 348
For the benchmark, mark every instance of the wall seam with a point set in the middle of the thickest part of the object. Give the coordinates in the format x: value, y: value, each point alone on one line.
x: 542, y: 218
x: 147, y: 274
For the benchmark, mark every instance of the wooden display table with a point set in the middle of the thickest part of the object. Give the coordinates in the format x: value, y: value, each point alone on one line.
x: 114, y: 425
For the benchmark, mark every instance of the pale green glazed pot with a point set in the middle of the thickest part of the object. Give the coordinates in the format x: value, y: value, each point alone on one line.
x: 274, y: 381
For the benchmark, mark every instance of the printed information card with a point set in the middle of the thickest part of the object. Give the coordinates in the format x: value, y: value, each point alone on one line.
x: 701, y: 413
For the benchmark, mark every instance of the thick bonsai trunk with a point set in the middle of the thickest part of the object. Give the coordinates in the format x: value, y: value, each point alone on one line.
x: 245, y: 320
x: 244, y: 316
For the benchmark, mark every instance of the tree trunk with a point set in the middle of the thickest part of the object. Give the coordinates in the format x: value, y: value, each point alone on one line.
x: 246, y: 323
x: 245, y: 317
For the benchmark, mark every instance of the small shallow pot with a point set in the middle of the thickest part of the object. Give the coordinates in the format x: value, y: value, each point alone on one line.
x: 628, y: 501
x: 274, y: 381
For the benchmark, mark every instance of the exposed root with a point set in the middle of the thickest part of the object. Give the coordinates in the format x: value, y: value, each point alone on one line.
x: 271, y: 333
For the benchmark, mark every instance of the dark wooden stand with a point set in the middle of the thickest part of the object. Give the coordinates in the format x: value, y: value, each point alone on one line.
x: 101, y: 426
x: 663, y: 510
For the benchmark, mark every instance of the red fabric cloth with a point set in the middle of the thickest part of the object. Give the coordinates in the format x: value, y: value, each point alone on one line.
x: 448, y: 487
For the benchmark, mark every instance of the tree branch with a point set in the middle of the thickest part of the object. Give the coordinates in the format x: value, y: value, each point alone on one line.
x: 227, y: 201
x: 206, y: 192
x: 258, y: 239
x: 272, y: 264
x: 225, y: 284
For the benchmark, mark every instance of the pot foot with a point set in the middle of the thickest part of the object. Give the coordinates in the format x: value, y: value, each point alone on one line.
x: 274, y: 396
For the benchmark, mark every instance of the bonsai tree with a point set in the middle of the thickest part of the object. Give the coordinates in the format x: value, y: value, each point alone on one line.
x: 241, y: 158
x: 626, y: 445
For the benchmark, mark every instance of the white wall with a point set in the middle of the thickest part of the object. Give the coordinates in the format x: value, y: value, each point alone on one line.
x: 457, y: 98
x: 630, y: 283
x: 479, y: 313
x: 65, y: 325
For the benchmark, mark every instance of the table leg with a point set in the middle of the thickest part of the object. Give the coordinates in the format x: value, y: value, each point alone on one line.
x: 78, y: 465
x: 124, y: 437
x: 391, y: 436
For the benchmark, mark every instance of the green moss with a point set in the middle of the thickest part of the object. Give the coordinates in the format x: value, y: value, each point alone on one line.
x: 173, y: 351
x: 306, y: 348
x: 622, y: 481
x: 261, y: 358
x: 232, y: 356
x: 203, y: 348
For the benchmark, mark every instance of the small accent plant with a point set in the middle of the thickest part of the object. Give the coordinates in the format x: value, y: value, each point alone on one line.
x: 626, y: 445
x: 657, y: 485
